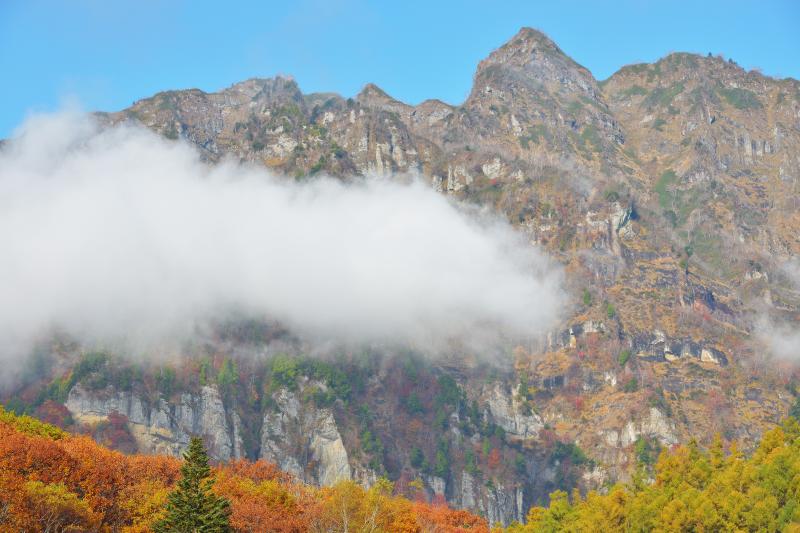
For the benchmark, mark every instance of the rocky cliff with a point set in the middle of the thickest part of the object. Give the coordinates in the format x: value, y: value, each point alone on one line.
x: 482, y: 441
x: 670, y: 194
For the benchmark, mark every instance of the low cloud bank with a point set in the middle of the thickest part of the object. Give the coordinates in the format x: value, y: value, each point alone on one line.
x: 118, y: 234
x: 782, y: 337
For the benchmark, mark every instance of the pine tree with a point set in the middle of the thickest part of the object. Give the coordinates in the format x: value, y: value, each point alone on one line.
x: 192, y: 507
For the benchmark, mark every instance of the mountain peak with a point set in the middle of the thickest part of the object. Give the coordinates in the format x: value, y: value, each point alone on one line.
x: 521, y: 46
x: 530, y: 58
x: 275, y: 87
x: 371, y: 90
x: 527, y: 48
x: 373, y: 96
x: 526, y: 37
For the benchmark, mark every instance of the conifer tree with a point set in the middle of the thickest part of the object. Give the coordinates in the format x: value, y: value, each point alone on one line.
x: 192, y: 507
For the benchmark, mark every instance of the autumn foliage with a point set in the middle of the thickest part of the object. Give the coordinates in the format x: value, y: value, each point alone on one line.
x: 53, y: 481
x: 693, y: 490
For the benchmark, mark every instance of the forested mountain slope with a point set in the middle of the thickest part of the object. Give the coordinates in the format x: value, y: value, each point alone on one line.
x: 669, y: 193
x: 50, y: 480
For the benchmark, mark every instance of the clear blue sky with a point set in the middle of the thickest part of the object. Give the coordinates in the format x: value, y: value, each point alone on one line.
x: 110, y: 53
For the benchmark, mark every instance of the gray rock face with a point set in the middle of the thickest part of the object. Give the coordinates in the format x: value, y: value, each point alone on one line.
x: 467, y: 491
x: 496, y: 503
x: 657, y: 347
x: 164, y: 427
x: 567, y: 160
x: 506, y: 411
x: 305, y: 441
x: 437, y: 485
x: 653, y: 425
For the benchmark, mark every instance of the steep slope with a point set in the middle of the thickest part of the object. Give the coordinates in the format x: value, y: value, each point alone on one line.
x: 53, y: 481
x: 670, y: 194
x: 271, y: 122
x: 720, y: 146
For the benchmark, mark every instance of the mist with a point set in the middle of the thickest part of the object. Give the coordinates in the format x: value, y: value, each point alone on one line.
x: 782, y: 337
x: 116, y: 234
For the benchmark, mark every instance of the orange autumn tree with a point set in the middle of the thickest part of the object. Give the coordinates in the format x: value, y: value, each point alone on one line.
x: 264, y: 498
x: 51, y: 480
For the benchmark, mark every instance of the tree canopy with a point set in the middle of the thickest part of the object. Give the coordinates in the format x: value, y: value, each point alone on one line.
x: 692, y: 490
x: 192, y: 507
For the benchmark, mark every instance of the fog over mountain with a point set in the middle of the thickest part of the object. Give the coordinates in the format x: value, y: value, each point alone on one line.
x: 624, y: 252
x: 118, y: 234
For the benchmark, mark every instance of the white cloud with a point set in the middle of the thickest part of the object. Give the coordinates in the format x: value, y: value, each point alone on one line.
x: 791, y: 268
x: 119, y: 234
x: 782, y: 337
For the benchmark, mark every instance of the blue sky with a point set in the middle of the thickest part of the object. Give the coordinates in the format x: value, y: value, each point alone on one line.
x: 108, y: 54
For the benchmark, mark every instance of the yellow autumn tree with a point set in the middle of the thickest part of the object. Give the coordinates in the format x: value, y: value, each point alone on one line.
x: 52, y: 508
x: 693, y: 490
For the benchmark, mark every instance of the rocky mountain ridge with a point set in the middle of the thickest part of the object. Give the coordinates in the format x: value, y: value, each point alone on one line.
x: 669, y: 192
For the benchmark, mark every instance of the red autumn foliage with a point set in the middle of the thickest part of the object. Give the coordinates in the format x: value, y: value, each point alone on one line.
x: 116, y: 435
x: 54, y: 413
x: 493, y: 460
x: 442, y: 519
x: 50, y: 479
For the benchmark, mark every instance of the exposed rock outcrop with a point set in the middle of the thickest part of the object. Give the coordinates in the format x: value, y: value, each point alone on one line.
x: 654, y: 425
x: 666, y: 191
x: 163, y: 426
x: 304, y: 440
x: 505, y: 410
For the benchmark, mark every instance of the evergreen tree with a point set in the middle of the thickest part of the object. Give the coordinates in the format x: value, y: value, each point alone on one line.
x: 795, y: 409
x: 192, y: 507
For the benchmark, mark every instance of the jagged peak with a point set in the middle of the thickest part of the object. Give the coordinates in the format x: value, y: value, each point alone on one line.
x: 527, y: 36
x: 526, y: 47
x: 373, y: 92
x: 279, y: 83
x: 322, y: 98
x: 691, y: 65
x: 434, y: 103
x: 713, y: 63
x: 521, y: 46
x: 373, y: 96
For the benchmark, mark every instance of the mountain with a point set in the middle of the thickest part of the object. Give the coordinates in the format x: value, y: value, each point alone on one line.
x: 670, y: 194
x: 53, y: 480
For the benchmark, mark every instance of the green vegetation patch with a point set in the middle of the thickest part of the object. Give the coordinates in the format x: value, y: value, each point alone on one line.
x: 632, y: 385
x: 569, y: 451
x: 682, y: 59
x: 167, y: 101
x: 708, y: 246
x: 319, y: 165
x: 31, y: 426
x: 740, y: 98
x: 535, y: 134
x: 646, y: 450
x: 667, y: 179
x: 286, y: 371
x: 654, y: 72
x: 676, y: 204
x: 634, y: 90
x: 574, y: 106
x: 637, y: 68
x: 589, y: 136
x: 95, y: 373
x: 663, y: 96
